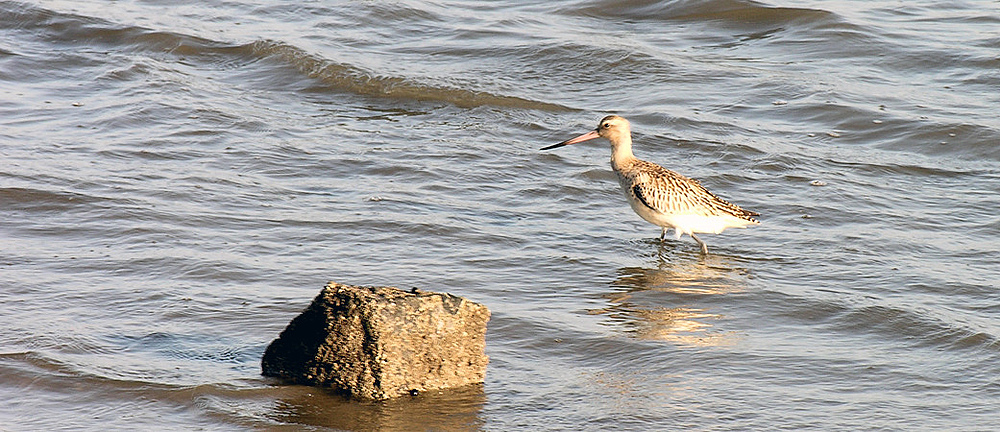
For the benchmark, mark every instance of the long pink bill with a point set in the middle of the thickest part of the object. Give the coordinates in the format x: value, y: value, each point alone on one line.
x: 585, y: 137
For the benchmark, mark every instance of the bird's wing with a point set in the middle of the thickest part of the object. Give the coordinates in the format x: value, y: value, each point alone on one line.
x: 668, y: 192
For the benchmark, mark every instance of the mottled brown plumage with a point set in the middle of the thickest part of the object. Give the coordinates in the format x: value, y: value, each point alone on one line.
x: 666, y: 191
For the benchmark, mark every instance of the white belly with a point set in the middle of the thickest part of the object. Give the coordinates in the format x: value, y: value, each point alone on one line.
x: 687, y: 223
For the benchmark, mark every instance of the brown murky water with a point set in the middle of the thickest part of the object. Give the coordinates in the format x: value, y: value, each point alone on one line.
x: 177, y: 181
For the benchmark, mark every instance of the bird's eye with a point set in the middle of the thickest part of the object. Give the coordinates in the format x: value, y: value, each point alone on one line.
x: 607, y: 125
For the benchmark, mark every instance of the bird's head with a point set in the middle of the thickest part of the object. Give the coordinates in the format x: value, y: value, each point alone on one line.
x: 613, y: 128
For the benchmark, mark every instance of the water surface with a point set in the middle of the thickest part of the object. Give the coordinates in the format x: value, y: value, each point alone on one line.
x: 178, y: 181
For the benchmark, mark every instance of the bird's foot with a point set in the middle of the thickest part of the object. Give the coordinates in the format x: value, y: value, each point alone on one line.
x: 704, y: 247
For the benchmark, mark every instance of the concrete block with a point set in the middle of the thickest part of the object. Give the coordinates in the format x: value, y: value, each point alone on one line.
x: 382, y: 342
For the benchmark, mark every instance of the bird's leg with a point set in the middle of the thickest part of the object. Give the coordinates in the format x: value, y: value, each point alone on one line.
x: 663, y: 235
x: 704, y: 247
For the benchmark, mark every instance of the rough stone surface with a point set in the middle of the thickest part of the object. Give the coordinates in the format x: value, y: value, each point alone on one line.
x: 382, y: 342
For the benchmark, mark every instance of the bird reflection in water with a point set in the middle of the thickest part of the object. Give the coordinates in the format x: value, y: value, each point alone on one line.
x: 673, y: 301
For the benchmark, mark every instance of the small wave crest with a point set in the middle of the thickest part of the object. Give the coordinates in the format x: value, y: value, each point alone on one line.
x: 736, y: 12
x: 342, y: 77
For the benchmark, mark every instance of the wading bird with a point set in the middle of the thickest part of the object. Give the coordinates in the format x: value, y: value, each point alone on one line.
x: 660, y: 196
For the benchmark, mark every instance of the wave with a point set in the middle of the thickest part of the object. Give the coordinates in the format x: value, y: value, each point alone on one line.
x: 886, y: 320
x: 729, y: 11
x: 349, y: 78
x: 62, y: 29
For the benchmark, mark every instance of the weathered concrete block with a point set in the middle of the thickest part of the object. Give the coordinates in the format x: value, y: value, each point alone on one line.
x: 382, y: 342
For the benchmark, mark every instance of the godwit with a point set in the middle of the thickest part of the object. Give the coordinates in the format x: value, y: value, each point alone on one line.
x: 660, y: 196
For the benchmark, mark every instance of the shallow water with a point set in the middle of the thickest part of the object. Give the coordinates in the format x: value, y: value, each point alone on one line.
x: 178, y: 181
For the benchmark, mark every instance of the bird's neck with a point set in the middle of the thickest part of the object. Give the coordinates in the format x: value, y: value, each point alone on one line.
x: 621, y: 151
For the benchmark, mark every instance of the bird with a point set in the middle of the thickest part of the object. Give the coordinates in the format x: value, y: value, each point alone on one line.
x: 663, y: 197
